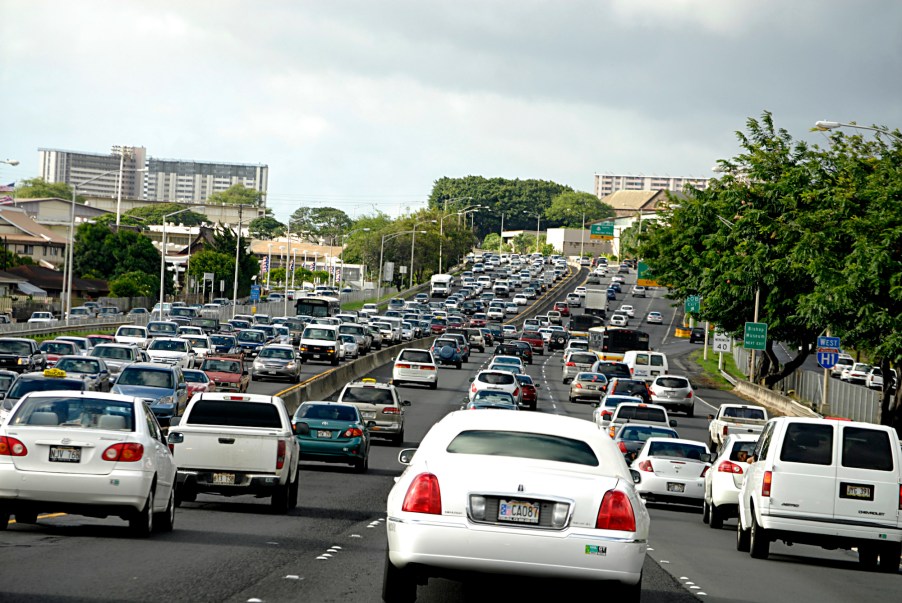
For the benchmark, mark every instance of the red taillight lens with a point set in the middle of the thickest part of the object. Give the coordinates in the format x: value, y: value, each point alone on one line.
x: 606, y: 413
x: 725, y: 430
x: 766, y: 483
x: 423, y: 495
x: 646, y: 466
x: 705, y: 470
x: 516, y: 392
x: 391, y: 410
x: 571, y: 364
x: 280, y: 455
x: 473, y: 388
x: 689, y: 395
x: 12, y: 447
x: 353, y: 432
x: 124, y: 452
x: 622, y: 447
x: 577, y: 385
x: 402, y: 366
x: 729, y: 467
x: 616, y: 512
x: 900, y: 497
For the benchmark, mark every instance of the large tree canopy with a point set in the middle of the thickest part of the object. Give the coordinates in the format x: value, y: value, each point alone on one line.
x: 571, y: 208
x: 38, y: 188
x: 265, y: 227
x: 102, y: 253
x: 320, y: 222
x: 238, y: 194
x: 154, y: 214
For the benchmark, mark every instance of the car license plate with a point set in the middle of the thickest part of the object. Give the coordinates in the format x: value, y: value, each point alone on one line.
x: 272, y: 372
x: 369, y: 415
x: 317, y: 355
x: 857, y: 491
x: 324, y: 433
x: 591, y: 387
x: 518, y: 511
x: 675, y: 487
x: 65, y: 454
x: 224, y: 478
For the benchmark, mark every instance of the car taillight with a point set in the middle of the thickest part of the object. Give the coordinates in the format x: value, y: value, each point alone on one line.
x: 571, y: 364
x: 516, y: 392
x: 125, y: 452
x: 353, y: 432
x: 391, y: 410
x: 725, y: 430
x: 689, y: 395
x: 427, y: 367
x: 615, y: 512
x: 577, y: 385
x: 766, y: 483
x: 473, y: 388
x: 632, y: 370
x: 705, y: 470
x: 423, y: 495
x: 280, y: 455
x: 607, y: 413
x: 622, y: 447
x: 900, y: 497
x: 402, y: 366
x: 729, y: 467
x: 12, y: 447
x: 646, y: 466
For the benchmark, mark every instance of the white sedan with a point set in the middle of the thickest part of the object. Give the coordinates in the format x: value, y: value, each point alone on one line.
x: 672, y: 470
x: 496, y: 381
x: 519, y: 494
x: 581, y: 291
x: 415, y: 366
x: 521, y: 300
x: 724, y: 480
x: 86, y: 453
x: 628, y: 310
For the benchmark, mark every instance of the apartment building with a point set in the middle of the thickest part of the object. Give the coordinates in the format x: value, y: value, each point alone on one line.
x: 606, y: 184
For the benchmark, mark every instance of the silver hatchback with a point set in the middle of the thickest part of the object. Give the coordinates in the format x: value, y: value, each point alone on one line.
x: 577, y: 362
x: 673, y: 393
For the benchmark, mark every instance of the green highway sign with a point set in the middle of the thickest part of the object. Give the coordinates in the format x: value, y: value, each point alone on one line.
x: 602, y: 230
x: 755, y: 336
x: 693, y: 304
x: 644, y: 275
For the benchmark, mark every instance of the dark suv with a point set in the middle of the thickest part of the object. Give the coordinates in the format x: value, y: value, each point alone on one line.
x: 697, y: 335
x: 21, y: 355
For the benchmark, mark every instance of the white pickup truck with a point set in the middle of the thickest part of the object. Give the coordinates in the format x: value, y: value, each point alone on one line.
x: 233, y: 444
x: 735, y: 418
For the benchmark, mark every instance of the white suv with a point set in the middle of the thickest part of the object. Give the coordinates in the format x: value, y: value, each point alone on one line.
x: 497, y: 381
x: 172, y: 350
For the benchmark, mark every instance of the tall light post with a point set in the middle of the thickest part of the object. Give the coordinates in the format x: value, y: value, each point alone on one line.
x: 824, y: 125
x: 538, y: 216
x: 385, y: 238
x: 441, y: 239
x: 413, y: 241
x: 163, y: 258
x: 68, y: 274
x: 237, y: 254
x: 124, y: 152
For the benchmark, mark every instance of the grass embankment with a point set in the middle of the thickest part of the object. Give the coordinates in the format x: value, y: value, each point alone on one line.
x: 709, y: 375
x: 40, y: 338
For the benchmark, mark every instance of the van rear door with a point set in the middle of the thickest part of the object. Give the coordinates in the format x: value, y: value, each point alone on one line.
x: 867, y: 485
x: 804, y: 472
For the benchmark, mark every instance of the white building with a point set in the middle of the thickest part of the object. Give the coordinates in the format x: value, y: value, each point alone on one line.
x: 572, y: 242
x: 605, y: 184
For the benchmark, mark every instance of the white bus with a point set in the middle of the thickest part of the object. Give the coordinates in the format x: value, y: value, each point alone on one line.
x: 440, y: 285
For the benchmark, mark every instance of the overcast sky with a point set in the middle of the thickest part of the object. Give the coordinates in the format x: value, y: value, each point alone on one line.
x: 361, y: 102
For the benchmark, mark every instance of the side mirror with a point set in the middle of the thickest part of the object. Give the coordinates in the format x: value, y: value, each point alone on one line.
x: 405, y: 402
x: 406, y: 456
x: 710, y: 417
x: 707, y: 457
x: 637, y: 477
x: 471, y: 379
x: 538, y: 386
x: 596, y: 404
x: 174, y: 421
x: 673, y: 423
x: 2, y: 395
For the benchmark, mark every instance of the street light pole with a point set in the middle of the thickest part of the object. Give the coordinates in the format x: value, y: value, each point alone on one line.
x: 824, y: 125
x: 385, y: 238
x: 538, y: 216
x: 163, y: 259
x: 413, y: 241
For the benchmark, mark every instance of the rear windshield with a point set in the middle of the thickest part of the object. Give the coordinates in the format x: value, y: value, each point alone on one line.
x: 744, y: 413
x: 677, y: 449
x: 524, y: 445
x: 675, y: 382
x: 23, y: 386
x: 162, y: 328
x: 640, y: 433
x: 612, y: 369
x: 864, y: 448
x: 221, y: 366
x: 591, y: 377
x: 234, y: 414
x: 86, y: 413
x: 131, y: 332
x: 416, y: 356
x: 496, y: 378
x: 642, y: 413
x: 808, y: 443
x: 327, y: 412
x: 113, y: 353
x: 370, y: 395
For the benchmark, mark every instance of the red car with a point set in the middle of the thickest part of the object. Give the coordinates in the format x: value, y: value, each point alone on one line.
x: 534, y: 338
x: 478, y: 320
x: 53, y: 349
x: 98, y: 339
x: 530, y: 394
x: 198, y: 382
x: 563, y: 308
x: 438, y: 326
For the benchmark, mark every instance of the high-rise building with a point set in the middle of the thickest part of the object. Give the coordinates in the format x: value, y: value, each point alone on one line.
x: 605, y: 184
x: 160, y: 180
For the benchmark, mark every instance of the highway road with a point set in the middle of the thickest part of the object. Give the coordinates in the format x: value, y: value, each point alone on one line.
x: 331, y: 547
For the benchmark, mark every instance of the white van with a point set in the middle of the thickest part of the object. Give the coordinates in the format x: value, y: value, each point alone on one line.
x: 646, y: 365
x: 320, y: 342
x: 440, y: 285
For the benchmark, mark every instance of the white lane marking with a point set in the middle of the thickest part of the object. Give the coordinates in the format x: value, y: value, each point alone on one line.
x: 669, y: 327
x: 293, y: 577
x: 714, y: 408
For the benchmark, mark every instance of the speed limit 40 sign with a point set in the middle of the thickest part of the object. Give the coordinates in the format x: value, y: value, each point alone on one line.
x: 722, y: 343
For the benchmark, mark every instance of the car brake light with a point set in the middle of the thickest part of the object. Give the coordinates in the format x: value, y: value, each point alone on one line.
x: 622, y: 447
x: 646, y: 466
x: 353, y: 432
x: 615, y: 512
x: 900, y: 497
x: 729, y: 467
x: 280, y: 455
x: 12, y: 447
x: 705, y: 470
x: 423, y: 495
x: 473, y: 388
x: 606, y: 413
x: 766, y: 483
x: 516, y: 392
x: 571, y: 364
x: 125, y: 452
x: 240, y: 398
x: 391, y: 410
x: 402, y: 366
x: 725, y: 430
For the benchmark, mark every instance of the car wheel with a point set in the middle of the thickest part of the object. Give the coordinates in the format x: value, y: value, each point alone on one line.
x: 141, y: 522
x: 759, y: 542
x: 433, y: 385
x: 360, y: 465
x: 867, y: 557
x: 459, y: 365
x: 280, y: 498
x: 293, y: 491
x: 166, y: 520
x: 706, y: 512
x: 890, y: 555
x: 716, y: 516
x: 335, y: 361
x: 399, y: 438
x: 4, y: 518
x: 690, y: 412
x: 742, y: 538
x: 398, y: 585
x: 28, y: 517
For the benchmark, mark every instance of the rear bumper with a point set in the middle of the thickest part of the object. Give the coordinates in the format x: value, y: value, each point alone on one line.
x: 203, y: 480
x: 826, y: 533
x: 100, y: 495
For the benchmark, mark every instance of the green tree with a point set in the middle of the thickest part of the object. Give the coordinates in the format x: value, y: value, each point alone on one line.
x: 102, y: 253
x: 134, y: 284
x: 570, y: 207
x: 238, y: 194
x: 38, y: 188
x: 266, y: 227
x: 492, y: 241
x: 320, y: 222
x: 221, y: 265
x: 153, y: 214
x: 224, y: 242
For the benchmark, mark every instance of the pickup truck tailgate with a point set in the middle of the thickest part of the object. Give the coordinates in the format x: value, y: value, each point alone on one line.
x: 243, y: 449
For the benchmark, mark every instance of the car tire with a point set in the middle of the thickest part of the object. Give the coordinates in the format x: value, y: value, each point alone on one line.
x: 398, y: 585
x: 433, y: 385
x: 459, y: 365
x: 140, y: 523
x: 293, y: 491
x: 867, y: 557
x: 890, y: 556
x: 715, y: 516
x: 398, y: 439
x: 335, y: 361
x: 690, y: 412
x: 280, y: 497
x: 4, y: 519
x: 742, y: 538
x: 28, y: 517
x: 165, y: 521
x: 361, y: 465
x: 759, y: 541
x: 706, y: 512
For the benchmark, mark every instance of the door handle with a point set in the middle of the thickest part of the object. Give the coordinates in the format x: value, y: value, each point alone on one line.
x: 226, y: 440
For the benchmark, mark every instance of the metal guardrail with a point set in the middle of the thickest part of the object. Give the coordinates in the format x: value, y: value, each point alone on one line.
x: 22, y: 329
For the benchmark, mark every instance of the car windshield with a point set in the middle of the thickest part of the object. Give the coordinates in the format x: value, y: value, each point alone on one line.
x: 82, y: 412
x: 252, y: 336
x: 416, y: 356
x: 672, y: 382
x: 113, y: 353
x: 582, y: 358
x: 327, y: 412
x: 347, y: 339
x: 496, y: 378
x: 487, y: 395
x: 641, y: 413
x: 79, y: 365
x: 523, y: 445
x: 279, y: 353
x: 159, y: 328
x: 222, y: 340
x: 740, y: 412
x: 372, y: 395
x: 192, y: 376
x: 169, y: 345
x: 58, y: 347
x: 677, y: 450
x: 221, y: 366
x: 591, y: 377
x: 146, y: 377
x: 313, y: 333
x: 23, y: 386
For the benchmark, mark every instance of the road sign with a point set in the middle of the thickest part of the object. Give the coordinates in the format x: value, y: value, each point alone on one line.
x: 755, y: 336
x: 827, y: 351
x: 603, y: 231
x: 644, y: 275
x: 693, y: 304
x: 255, y: 293
x: 722, y: 343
